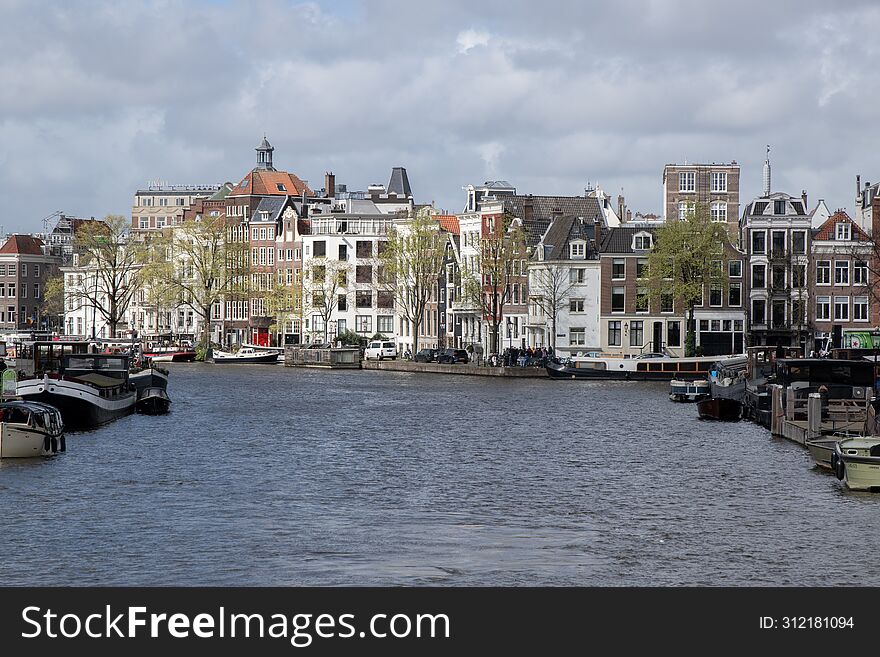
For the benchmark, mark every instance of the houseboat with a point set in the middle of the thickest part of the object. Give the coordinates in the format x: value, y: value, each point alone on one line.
x: 244, y: 355
x: 639, y: 368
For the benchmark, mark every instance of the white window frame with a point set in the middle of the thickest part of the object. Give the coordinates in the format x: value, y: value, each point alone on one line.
x: 843, y: 231
x: 823, y: 308
x: 845, y: 268
x: 718, y: 212
x: 824, y: 266
x: 841, y: 303
x: 860, y: 303
x: 718, y: 181
x: 687, y: 181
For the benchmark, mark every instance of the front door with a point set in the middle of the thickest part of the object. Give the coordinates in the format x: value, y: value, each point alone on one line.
x: 658, y: 337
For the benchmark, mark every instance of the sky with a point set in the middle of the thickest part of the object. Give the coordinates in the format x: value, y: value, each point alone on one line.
x: 98, y: 98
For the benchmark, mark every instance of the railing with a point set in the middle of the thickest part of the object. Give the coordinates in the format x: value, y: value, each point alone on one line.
x: 338, y: 226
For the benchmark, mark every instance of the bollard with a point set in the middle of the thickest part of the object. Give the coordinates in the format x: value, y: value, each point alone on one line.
x: 814, y: 416
x: 777, y: 413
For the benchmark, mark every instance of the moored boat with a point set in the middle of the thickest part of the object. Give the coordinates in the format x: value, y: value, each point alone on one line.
x: 244, y: 355
x: 645, y: 368
x: 170, y: 355
x: 688, y: 391
x: 149, y: 377
x: 153, y: 401
x: 856, y: 461
x: 719, y: 408
x: 29, y: 429
x: 821, y: 450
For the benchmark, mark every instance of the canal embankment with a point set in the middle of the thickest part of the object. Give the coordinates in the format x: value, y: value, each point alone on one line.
x: 455, y: 368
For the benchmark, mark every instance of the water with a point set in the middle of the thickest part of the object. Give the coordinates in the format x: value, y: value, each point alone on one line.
x: 265, y: 475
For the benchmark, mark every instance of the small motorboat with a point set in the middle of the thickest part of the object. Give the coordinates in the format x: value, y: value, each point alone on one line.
x: 856, y: 461
x: 29, y: 429
x: 688, y: 391
x: 821, y: 450
x: 243, y: 355
x: 171, y: 354
x: 153, y: 401
x: 720, y: 408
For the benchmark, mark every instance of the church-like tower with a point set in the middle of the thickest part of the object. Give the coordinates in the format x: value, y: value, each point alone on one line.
x: 264, y: 155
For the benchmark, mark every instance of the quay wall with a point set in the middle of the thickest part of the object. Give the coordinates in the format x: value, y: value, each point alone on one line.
x: 437, y: 368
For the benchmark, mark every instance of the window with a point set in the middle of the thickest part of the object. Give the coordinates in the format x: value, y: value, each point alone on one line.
x: 341, y: 326
x: 759, y: 276
x: 841, y: 309
x: 860, y: 272
x: 823, y: 272
x: 779, y: 276
x: 719, y: 181
x: 614, y: 334
x: 385, y: 323
x: 12, y: 292
x: 673, y: 334
x: 685, y: 209
x: 759, y: 242
x: 618, y: 295
x: 24, y: 270
x: 363, y: 323
x: 735, y: 268
x: 343, y: 252
x: 734, y: 294
x: 364, y: 249
x: 636, y: 333
x: 24, y: 290
x: 255, y: 234
x: 320, y: 248
x: 280, y: 187
x: 342, y: 302
x: 262, y: 233
x: 718, y: 211
x: 666, y: 303
x: 262, y: 255
x: 576, y: 305
x: 798, y: 242
x: 726, y: 325
x: 686, y: 181
x: 363, y: 299
x: 716, y: 325
x: 364, y: 274
x: 842, y: 231
x: 860, y: 309
x: 738, y: 325
x: 618, y: 268
x: 578, y: 250
x: 144, y: 222
x: 577, y: 337
x: 577, y: 275
x: 641, y: 300
x: 798, y: 275
x: 643, y: 242
x: 3, y: 294
x: 778, y: 237
x: 759, y: 311
x: 384, y: 299
x: 37, y: 271
x: 778, y: 207
x: 641, y: 268
x: 841, y: 272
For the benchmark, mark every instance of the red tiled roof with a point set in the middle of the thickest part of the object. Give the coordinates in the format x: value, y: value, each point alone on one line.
x: 827, y: 230
x: 23, y: 244
x: 448, y: 222
x: 263, y: 182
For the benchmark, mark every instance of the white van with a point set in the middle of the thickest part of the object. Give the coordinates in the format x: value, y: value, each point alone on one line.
x: 380, y: 349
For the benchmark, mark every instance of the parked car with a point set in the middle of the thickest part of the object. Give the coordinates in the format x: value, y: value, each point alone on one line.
x: 452, y: 356
x: 426, y: 356
x: 380, y: 349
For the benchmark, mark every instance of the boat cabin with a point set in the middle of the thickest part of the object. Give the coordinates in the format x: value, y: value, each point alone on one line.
x: 37, y: 358
x: 833, y: 373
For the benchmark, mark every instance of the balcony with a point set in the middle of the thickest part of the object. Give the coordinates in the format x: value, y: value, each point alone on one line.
x: 349, y: 226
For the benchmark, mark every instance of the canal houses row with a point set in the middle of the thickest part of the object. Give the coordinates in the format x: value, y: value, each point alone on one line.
x: 794, y: 275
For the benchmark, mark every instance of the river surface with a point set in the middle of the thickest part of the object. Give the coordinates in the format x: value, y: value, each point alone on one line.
x: 265, y: 475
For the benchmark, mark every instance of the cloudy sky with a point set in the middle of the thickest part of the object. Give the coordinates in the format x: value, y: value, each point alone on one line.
x: 100, y: 97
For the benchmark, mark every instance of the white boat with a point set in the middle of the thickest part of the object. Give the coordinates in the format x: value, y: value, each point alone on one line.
x: 243, y: 355
x: 857, y: 462
x: 646, y: 367
x: 688, y: 391
x: 29, y: 429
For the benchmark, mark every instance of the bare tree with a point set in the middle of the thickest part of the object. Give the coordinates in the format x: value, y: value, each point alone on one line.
x: 549, y: 289
x: 111, y: 261
x: 410, y: 264
x: 324, y: 282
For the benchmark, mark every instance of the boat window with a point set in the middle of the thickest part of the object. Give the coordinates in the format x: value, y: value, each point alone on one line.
x: 687, y: 367
x: 655, y: 367
x: 670, y: 367
x: 641, y: 367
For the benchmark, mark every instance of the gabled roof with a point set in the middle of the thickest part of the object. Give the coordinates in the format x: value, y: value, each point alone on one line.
x: 546, y: 208
x: 619, y: 240
x: 269, y: 208
x: 562, y: 232
x: 448, y: 222
x: 22, y: 245
x: 263, y: 182
x: 828, y: 230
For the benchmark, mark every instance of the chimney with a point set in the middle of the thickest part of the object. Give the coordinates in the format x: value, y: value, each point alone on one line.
x: 597, y: 232
x: 767, y: 173
x: 629, y: 215
x: 620, y: 207
x: 804, y: 197
x: 858, y: 187
x: 528, y: 211
x: 329, y: 185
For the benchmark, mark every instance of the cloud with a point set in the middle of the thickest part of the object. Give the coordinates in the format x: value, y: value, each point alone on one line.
x: 101, y: 96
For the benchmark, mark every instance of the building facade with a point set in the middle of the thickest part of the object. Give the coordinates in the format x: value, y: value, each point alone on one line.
x: 716, y: 186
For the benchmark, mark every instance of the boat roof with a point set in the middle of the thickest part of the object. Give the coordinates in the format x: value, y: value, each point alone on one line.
x: 861, y: 441
x: 32, y: 406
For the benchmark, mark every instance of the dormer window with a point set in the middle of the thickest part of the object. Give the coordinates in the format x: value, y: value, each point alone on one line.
x: 842, y: 231
x: 578, y: 250
x: 642, y: 242
x: 281, y: 187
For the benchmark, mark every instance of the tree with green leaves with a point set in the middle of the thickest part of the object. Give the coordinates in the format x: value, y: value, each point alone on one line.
x: 111, y: 261
x: 499, y: 265
x: 200, y: 264
x: 52, y: 305
x: 684, y: 263
x: 410, y: 265
x: 282, y: 303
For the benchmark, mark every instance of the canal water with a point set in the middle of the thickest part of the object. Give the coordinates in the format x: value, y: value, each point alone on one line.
x: 265, y: 475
